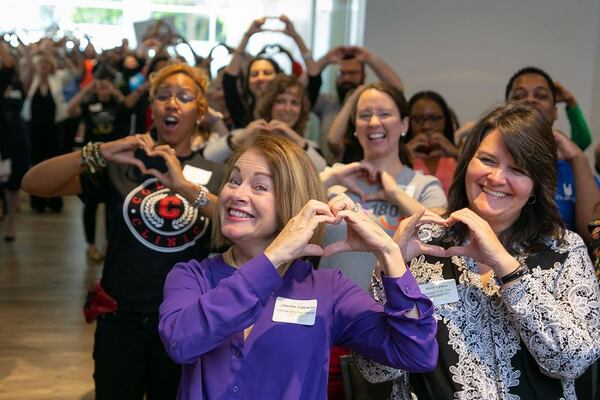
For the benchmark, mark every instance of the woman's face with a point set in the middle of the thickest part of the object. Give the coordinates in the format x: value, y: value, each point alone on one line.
x: 496, y: 188
x: 287, y: 106
x: 379, y: 125
x: 175, y: 109
x: 261, y: 72
x: 426, y: 117
x: 247, y: 203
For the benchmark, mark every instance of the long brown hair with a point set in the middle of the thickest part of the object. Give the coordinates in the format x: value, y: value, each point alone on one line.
x: 528, y: 138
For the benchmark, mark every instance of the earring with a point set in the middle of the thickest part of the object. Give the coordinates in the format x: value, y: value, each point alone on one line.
x: 403, y: 134
x: 354, y: 134
x: 532, y: 199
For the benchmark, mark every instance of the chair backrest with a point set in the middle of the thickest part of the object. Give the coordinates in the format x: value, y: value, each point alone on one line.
x: 356, y: 387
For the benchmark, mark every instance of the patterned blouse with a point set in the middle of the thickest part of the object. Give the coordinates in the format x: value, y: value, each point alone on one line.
x: 525, y: 341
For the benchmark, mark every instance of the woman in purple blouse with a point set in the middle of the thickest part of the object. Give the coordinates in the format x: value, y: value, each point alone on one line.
x: 258, y: 322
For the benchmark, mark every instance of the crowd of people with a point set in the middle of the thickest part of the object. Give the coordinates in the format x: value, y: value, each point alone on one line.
x: 245, y: 253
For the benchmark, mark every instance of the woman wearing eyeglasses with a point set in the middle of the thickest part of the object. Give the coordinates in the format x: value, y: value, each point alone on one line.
x: 158, y: 217
x: 430, y: 137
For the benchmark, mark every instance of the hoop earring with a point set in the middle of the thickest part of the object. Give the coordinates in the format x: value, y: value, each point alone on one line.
x: 532, y: 200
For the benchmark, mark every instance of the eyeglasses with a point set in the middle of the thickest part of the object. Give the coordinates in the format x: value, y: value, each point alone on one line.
x: 421, y: 119
x: 182, y: 98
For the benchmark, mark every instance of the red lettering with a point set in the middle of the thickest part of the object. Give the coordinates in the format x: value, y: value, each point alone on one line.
x: 145, y: 233
x: 136, y: 200
x: 170, y: 207
x: 172, y: 242
x: 196, y: 230
x: 137, y: 221
x: 159, y: 186
x: 146, y: 192
x: 185, y: 238
x: 157, y: 240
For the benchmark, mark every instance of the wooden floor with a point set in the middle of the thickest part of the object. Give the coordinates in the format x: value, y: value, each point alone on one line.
x: 45, y: 344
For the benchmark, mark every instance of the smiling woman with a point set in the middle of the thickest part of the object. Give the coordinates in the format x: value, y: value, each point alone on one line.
x: 383, y: 182
x: 239, y: 315
x: 522, y: 315
x: 158, y: 217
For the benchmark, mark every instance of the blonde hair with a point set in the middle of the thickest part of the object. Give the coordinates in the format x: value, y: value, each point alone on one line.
x: 295, y: 181
x: 196, y: 74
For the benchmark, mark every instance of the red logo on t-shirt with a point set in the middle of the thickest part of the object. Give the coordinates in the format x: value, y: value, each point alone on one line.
x: 160, y: 219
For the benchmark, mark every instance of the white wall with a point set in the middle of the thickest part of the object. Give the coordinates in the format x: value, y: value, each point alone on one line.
x: 468, y: 49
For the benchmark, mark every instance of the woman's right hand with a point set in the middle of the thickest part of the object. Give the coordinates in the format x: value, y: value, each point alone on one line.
x: 293, y: 240
x: 407, y: 238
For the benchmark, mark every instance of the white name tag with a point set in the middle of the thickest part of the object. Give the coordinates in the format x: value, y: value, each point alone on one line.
x: 196, y: 175
x: 292, y: 311
x: 440, y: 292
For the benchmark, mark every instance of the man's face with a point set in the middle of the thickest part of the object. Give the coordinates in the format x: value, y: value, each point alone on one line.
x: 349, y: 76
x: 533, y: 90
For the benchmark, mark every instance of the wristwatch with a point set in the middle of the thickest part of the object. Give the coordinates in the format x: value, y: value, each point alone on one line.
x: 201, y: 200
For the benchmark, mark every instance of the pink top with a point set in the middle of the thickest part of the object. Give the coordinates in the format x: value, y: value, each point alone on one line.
x: 444, y: 172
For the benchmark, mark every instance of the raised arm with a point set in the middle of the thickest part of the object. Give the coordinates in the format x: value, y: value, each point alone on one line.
x: 580, y: 132
x: 339, y: 126
x: 235, y: 65
x: 587, y: 194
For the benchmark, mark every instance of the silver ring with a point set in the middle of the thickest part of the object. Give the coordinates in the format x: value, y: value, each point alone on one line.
x: 356, y: 207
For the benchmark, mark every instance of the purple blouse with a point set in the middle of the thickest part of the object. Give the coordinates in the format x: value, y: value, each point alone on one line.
x: 208, y: 304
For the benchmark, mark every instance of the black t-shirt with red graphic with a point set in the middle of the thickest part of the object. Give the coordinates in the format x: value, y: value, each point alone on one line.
x: 150, y: 229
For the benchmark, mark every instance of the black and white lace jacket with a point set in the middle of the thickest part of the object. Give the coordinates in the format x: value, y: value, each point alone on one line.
x: 529, y: 340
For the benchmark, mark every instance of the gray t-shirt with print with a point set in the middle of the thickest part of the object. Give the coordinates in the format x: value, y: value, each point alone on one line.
x: 358, y: 266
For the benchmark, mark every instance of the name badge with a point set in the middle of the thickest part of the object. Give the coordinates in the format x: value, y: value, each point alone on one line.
x: 440, y: 292
x: 196, y: 175
x: 302, y: 312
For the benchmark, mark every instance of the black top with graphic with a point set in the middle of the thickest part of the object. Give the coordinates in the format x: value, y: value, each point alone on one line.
x: 151, y: 229
x: 104, y: 121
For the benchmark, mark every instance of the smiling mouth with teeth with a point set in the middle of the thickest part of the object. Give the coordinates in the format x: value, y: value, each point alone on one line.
x: 493, y: 192
x: 376, y: 136
x: 239, y: 214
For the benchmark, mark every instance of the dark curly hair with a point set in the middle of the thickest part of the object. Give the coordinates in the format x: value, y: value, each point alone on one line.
x: 278, y: 86
x: 528, y: 138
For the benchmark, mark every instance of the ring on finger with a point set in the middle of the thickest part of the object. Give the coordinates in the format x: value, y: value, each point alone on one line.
x: 356, y: 207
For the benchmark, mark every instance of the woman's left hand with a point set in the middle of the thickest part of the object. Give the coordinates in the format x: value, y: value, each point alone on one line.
x: 442, y: 146
x: 293, y: 240
x: 483, y: 245
x: 173, y: 178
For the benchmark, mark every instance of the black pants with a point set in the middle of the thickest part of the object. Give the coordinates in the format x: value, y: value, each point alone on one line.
x: 130, y: 360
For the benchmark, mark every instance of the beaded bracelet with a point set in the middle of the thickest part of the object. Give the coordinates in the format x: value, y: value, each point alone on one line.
x: 92, y: 157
